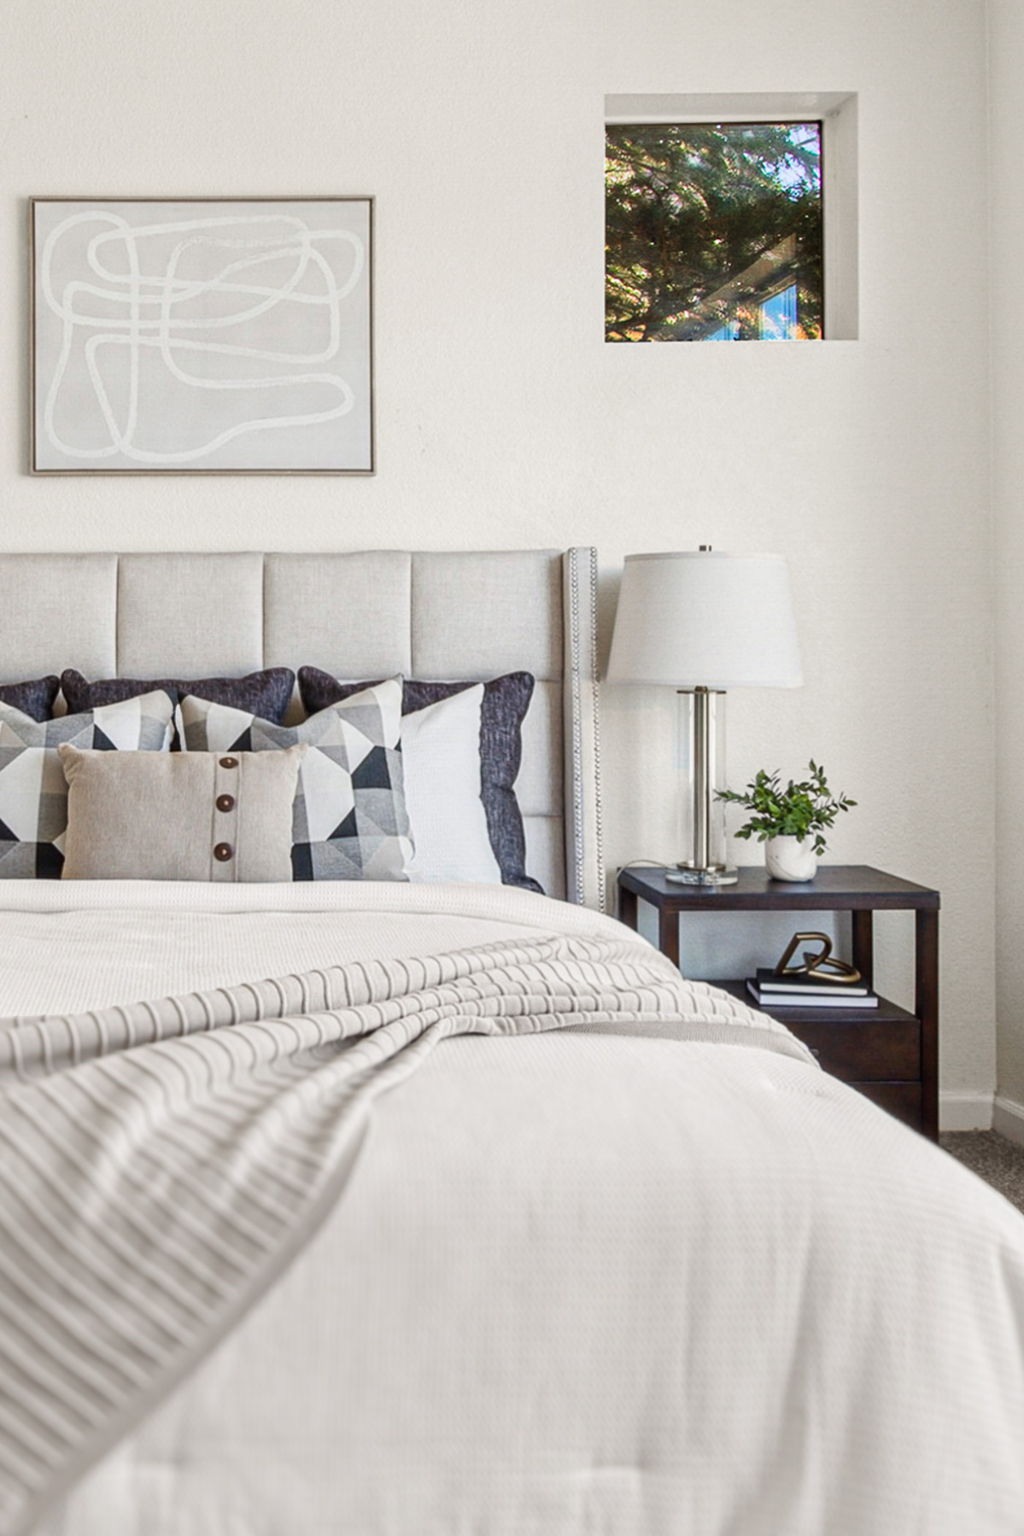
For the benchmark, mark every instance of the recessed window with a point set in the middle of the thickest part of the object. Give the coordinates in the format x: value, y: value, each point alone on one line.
x: 714, y: 232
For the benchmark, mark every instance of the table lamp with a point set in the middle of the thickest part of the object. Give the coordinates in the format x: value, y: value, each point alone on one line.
x: 701, y: 622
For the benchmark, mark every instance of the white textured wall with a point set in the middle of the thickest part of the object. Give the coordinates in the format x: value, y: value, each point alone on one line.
x: 504, y: 419
x: 1007, y: 56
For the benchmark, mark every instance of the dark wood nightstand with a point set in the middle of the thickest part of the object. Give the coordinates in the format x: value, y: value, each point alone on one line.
x: 890, y: 1055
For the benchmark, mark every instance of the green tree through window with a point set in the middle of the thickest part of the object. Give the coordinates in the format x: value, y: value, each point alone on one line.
x: 706, y: 224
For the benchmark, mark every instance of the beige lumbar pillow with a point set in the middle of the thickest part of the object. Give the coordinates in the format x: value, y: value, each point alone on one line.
x: 179, y: 815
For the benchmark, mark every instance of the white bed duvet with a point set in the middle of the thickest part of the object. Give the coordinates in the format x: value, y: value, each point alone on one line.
x: 580, y: 1284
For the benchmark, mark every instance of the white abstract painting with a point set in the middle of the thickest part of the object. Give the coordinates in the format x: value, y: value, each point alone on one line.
x: 201, y: 335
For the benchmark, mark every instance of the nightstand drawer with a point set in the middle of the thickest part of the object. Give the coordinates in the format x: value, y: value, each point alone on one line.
x: 857, y: 1045
x: 879, y: 1049
x: 901, y: 1099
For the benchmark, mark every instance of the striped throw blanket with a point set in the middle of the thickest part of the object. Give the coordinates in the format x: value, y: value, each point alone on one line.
x: 161, y: 1162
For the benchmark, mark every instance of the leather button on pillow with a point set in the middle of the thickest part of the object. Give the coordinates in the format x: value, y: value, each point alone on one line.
x: 223, y: 852
x: 225, y: 802
x: 229, y: 762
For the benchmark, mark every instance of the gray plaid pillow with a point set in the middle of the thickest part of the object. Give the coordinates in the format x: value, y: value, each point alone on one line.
x: 33, y: 790
x: 349, y: 820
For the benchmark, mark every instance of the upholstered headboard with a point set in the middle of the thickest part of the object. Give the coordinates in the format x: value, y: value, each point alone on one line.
x: 436, y: 615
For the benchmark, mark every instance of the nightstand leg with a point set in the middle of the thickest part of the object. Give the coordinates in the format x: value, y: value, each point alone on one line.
x: 864, y: 944
x: 668, y: 935
x: 926, y: 956
x: 627, y: 907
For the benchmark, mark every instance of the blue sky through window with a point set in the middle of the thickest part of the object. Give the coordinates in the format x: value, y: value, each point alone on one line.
x: 778, y: 315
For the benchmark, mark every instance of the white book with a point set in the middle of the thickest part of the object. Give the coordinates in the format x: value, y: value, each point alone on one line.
x: 771, y: 981
x: 808, y: 1000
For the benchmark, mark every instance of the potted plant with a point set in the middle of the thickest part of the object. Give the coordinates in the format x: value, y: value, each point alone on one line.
x: 790, y: 821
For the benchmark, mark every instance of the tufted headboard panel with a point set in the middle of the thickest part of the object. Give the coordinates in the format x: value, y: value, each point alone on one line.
x: 448, y: 616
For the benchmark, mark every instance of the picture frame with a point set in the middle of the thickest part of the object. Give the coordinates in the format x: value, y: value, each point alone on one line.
x: 201, y: 335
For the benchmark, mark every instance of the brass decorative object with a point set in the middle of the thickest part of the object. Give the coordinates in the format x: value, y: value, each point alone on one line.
x: 822, y: 965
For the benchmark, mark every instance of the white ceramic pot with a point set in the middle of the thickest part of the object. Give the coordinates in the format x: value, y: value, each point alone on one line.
x: 791, y: 858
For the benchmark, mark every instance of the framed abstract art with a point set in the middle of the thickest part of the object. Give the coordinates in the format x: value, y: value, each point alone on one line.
x: 202, y: 335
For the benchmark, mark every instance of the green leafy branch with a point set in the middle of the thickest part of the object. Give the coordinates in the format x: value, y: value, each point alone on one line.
x: 800, y: 810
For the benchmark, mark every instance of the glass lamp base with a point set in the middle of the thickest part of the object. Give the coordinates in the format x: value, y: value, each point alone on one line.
x: 719, y: 874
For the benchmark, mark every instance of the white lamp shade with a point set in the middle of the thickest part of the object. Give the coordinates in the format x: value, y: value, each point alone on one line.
x: 699, y: 618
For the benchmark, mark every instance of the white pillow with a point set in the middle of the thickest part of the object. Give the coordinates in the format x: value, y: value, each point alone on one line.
x: 441, y: 762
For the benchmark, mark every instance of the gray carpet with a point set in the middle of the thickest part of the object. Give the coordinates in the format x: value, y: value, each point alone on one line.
x: 995, y: 1159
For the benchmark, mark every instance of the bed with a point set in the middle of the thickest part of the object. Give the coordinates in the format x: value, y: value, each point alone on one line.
x: 430, y: 1209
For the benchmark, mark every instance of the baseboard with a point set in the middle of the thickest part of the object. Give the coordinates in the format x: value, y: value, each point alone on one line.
x: 973, y: 1111
x: 970, y: 1111
x: 1008, y: 1118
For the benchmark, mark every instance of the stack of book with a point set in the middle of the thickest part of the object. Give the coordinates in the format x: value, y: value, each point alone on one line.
x: 771, y: 990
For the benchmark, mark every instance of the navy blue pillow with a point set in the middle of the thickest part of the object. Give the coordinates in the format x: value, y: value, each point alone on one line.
x: 34, y: 699
x: 261, y: 693
x: 506, y: 700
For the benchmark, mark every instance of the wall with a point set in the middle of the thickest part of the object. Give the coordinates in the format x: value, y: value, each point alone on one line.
x: 504, y: 419
x: 1007, y: 71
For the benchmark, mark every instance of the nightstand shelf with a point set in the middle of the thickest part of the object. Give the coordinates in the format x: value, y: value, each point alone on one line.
x: 887, y: 1053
